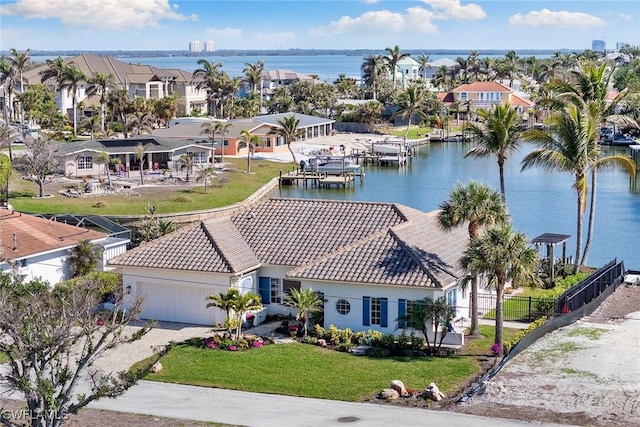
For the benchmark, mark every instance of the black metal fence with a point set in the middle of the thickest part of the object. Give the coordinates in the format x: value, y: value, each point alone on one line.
x: 589, y: 288
x: 516, y: 308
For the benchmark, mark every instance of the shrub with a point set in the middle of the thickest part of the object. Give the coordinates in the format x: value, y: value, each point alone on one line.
x: 377, y: 352
x: 344, y: 347
x: 219, y: 342
x: 536, y: 324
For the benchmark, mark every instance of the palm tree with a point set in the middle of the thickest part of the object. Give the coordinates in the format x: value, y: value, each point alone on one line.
x: 305, y: 301
x: 189, y: 162
x: 242, y: 304
x: 53, y: 73
x: 565, y: 147
x: 589, y: 84
x: 139, y: 152
x: 288, y: 129
x: 6, y: 83
x: 19, y: 61
x: 220, y: 128
x: 373, y: 71
x: 411, y: 101
x: 224, y: 301
x: 120, y: 105
x: 253, y: 75
x: 247, y: 139
x: 475, y: 66
x: 429, y: 317
x: 100, y: 84
x: 476, y: 205
x: 205, y: 174
x: 423, y: 60
x: 502, y: 255
x: 208, y: 78
x: 392, y: 61
x: 497, y: 135
x: 70, y: 79
x: 84, y: 257
x: 102, y: 158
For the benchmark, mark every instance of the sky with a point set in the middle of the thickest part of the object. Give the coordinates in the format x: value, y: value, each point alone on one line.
x: 316, y: 24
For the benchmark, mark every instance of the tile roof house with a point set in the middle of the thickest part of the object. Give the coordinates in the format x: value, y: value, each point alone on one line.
x: 483, y: 95
x: 368, y: 260
x: 145, y: 81
x: 38, y: 247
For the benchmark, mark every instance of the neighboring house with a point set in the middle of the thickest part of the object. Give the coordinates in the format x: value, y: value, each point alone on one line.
x: 407, y: 69
x: 159, y: 154
x: 39, y: 248
x: 433, y: 67
x: 484, y: 95
x: 144, y: 81
x: 277, y: 78
x: 369, y: 261
x: 261, y: 126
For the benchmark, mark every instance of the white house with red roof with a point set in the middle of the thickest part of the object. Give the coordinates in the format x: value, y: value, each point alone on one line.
x: 39, y: 248
x: 484, y: 95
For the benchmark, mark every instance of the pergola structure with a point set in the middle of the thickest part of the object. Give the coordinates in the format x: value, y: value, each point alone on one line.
x: 550, y: 240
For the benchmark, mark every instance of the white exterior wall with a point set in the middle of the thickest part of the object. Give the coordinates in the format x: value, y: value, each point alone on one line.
x: 279, y: 273
x: 70, y: 169
x: 111, y: 252
x: 49, y: 266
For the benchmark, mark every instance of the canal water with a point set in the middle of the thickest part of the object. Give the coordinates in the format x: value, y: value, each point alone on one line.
x: 539, y: 201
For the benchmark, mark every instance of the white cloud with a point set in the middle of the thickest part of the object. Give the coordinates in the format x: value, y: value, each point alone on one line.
x: 561, y: 19
x: 370, y: 1
x: 102, y: 14
x: 416, y: 19
x: 452, y: 9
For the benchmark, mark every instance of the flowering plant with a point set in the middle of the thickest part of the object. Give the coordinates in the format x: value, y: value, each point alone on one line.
x: 210, y: 343
x: 495, y: 349
x: 232, y: 348
x: 293, y: 328
x: 257, y: 344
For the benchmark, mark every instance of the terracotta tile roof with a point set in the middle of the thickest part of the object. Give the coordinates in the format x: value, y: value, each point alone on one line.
x: 517, y: 101
x: 483, y: 87
x: 34, y: 235
x: 343, y: 241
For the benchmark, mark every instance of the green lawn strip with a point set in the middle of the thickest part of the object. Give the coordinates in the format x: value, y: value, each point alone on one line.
x: 238, y: 188
x: 482, y: 344
x: 3, y: 357
x: 308, y: 371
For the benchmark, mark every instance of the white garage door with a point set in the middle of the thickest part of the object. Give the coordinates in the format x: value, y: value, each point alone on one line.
x: 173, y: 303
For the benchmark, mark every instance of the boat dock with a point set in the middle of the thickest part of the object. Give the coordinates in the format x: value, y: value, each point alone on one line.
x: 321, y: 180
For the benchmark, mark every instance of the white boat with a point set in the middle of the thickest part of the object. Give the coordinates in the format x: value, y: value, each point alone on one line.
x: 332, y: 165
x: 436, y: 135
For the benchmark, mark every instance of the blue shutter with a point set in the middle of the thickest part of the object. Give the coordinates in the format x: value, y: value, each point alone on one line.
x: 264, y: 287
x: 366, y: 306
x: 402, y: 310
x: 383, y: 312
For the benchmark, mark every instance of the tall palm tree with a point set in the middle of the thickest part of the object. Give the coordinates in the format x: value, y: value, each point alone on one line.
x: 474, y: 64
x: 305, y: 301
x: 139, y: 153
x: 497, y: 135
x: 52, y: 74
x: 565, y: 147
x: 84, y: 257
x: 100, y: 84
x: 423, y: 60
x: 247, y: 139
x: 288, y: 129
x: 476, y: 205
x: 222, y: 128
x: 392, y: 60
x: 502, y: 255
x: 6, y: 83
x: 373, y: 69
x: 207, y: 77
x: 71, y: 79
x: 19, y: 61
x: 589, y: 84
x: 120, y: 105
x: 253, y: 75
x: 411, y: 102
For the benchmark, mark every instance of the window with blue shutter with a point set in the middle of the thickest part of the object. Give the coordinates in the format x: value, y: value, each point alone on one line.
x: 402, y: 310
x: 366, y: 305
x: 264, y: 288
x: 384, y: 306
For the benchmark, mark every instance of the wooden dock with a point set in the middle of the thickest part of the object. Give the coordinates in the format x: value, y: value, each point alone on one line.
x: 321, y: 180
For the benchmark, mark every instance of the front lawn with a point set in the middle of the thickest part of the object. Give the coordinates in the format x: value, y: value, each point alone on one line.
x: 482, y: 344
x: 309, y: 371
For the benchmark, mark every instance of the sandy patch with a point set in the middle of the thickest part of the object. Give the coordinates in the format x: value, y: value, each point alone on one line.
x: 587, y: 373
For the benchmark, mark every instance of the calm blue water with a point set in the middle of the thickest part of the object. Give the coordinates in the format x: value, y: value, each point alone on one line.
x: 326, y: 67
x: 539, y: 201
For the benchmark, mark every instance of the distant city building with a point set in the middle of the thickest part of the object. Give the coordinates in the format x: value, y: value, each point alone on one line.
x: 598, y: 45
x: 195, y: 46
x: 209, y: 46
x: 621, y: 45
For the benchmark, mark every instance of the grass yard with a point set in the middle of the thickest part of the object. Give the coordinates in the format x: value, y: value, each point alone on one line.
x: 167, y: 198
x: 482, y: 345
x: 308, y: 371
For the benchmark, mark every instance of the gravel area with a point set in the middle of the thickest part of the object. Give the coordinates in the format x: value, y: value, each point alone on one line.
x: 587, y: 373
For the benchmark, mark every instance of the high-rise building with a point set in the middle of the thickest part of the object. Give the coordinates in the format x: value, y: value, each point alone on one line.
x: 209, y: 46
x: 195, y: 46
x: 598, y: 45
x: 620, y: 45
